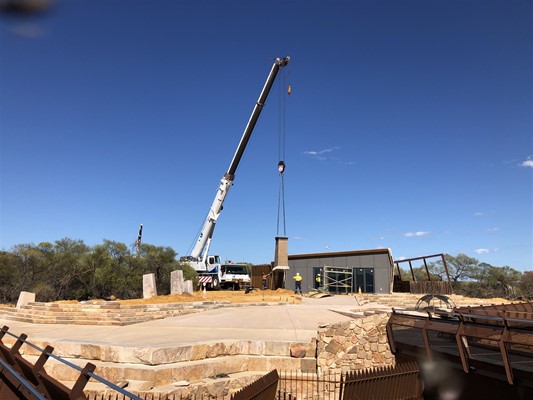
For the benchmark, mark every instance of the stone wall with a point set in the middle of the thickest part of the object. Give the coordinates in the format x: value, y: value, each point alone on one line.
x: 353, y: 345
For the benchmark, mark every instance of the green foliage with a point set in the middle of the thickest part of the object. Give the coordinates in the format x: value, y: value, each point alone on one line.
x: 471, y: 278
x: 69, y: 269
x: 526, y: 285
x: 9, y: 278
x: 474, y: 279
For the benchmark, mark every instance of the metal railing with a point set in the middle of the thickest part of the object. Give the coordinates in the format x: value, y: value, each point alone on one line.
x: 21, y: 379
x: 470, y: 335
x: 263, y: 388
x: 400, y: 382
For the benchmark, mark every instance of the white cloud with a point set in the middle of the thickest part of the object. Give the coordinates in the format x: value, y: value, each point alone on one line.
x: 297, y: 238
x: 493, y: 230
x: 416, y: 234
x: 482, y: 251
x: 317, y: 153
x: 478, y: 214
x: 320, y: 154
x: 528, y: 163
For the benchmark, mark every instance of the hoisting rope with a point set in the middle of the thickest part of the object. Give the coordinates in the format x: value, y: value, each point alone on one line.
x: 281, y: 153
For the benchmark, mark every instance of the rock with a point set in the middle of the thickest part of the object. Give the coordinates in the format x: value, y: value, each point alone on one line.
x: 298, y: 350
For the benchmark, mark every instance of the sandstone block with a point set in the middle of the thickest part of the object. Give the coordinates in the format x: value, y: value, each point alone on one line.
x: 298, y: 350
x: 25, y: 298
x: 176, y: 282
x: 149, y: 286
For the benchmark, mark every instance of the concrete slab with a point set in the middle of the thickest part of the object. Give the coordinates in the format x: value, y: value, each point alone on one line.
x: 292, y: 322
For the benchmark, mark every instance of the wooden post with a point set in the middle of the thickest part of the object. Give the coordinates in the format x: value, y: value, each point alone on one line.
x: 427, y: 270
x: 399, y: 272
x: 412, y: 273
x: 447, y: 274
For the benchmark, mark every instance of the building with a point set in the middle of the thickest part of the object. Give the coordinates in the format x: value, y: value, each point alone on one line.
x: 365, y: 271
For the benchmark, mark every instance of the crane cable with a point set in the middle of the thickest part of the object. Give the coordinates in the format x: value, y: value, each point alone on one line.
x: 281, y: 153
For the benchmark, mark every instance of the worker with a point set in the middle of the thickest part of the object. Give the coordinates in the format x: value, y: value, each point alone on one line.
x: 298, y: 283
x: 264, y: 280
x: 317, y: 281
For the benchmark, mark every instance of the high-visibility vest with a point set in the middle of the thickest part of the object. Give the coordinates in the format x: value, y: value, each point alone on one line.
x: 298, y: 278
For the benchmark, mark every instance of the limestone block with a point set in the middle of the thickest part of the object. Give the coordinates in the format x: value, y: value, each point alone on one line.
x: 138, y: 374
x: 276, y: 349
x: 25, y: 298
x: 216, y: 350
x: 340, y: 338
x: 176, y: 282
x: 353, y: 350
x: 139, y: 386
x: 254, y: 347
x: 163, y: 377
x: 379, y: 358
x: 333, y: 347
x: 199, y: 352
x: 257, y: 364
x: 188, y: 287
x: 158, y: 356
x: 149, y: 286
x: 298, y: 350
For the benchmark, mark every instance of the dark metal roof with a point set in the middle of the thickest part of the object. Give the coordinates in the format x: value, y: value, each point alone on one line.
x: 342, y: 254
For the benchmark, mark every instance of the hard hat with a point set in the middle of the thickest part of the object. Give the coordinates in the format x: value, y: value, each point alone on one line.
x: 297, y: 273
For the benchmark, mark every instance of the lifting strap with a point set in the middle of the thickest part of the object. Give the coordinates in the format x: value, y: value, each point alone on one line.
x: 281, y: 153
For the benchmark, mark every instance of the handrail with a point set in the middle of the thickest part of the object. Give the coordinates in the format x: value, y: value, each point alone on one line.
x: 74, y: 366
x: 28, y: 386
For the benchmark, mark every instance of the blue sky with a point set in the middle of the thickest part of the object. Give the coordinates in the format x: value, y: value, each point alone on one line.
x: 409, y: 125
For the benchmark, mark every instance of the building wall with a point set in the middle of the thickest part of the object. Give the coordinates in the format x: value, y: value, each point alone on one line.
x: 305, y: 264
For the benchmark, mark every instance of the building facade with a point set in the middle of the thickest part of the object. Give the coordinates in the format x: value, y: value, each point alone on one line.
x: 365, y: 271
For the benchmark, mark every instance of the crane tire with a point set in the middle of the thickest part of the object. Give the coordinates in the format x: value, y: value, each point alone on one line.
x: 215, y: 284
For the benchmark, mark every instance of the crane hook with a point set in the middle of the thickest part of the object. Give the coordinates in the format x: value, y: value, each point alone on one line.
x: 289, y: 90
x: 281, y: 167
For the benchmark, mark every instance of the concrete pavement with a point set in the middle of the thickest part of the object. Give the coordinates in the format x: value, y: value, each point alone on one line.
x: 291, y: 322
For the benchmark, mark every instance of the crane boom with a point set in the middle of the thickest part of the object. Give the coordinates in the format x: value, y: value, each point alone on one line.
x: 201, y: 247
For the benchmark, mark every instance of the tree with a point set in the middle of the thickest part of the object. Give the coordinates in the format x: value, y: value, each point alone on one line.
x: 68, y: 273
x: 10, y: 281
x: 526, y: 284
x: 498, y: 281
x: 461, y: 267
x: 161, y: 261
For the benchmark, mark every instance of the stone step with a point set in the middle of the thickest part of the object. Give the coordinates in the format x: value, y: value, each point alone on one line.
x: 213, y: 387
x: 154, y: 356
x: 109, y: 313
x: 166, y: 374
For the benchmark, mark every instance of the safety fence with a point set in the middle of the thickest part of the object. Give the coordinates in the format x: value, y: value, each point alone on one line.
x: 400, y: 382
x: 263, y: 388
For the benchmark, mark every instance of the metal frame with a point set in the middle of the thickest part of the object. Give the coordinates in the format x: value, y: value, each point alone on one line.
x: 424, y: 258
x: 498, y: 333
x: 332, y: 281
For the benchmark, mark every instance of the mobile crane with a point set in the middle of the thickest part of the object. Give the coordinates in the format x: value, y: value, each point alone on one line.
x: 212, y: 273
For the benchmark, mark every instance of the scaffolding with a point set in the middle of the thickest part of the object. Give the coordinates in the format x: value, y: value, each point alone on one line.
x: 338, y: 279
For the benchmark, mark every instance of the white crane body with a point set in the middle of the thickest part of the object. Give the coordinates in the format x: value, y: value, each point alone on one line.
x: 211, y: 271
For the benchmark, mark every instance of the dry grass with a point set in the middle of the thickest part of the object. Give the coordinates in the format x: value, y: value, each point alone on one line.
x: 238, y: 296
